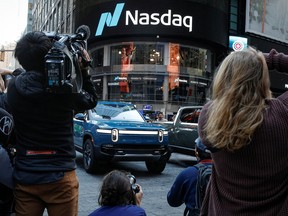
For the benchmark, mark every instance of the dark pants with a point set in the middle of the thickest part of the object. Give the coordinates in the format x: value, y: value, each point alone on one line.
x: 6, y: 200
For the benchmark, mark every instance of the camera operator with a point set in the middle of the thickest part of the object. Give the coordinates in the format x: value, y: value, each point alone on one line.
x: 119, y: 196
x: 45, y: 165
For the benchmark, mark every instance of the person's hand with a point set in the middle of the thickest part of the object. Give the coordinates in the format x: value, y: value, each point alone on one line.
x: 84, y: 59
x: 4, y: 71
x: 139, y: 195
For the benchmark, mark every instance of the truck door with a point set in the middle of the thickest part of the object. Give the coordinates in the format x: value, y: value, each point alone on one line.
x: 186, y: 128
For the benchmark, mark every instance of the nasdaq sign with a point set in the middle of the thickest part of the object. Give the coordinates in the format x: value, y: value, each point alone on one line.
x: 143, y: 19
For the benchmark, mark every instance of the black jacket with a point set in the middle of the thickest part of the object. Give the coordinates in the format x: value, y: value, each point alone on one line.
x: 44, y: 122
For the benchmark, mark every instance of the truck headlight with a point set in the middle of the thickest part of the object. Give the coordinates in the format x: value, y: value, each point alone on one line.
x: 114, y: 135
x: 160, y: 135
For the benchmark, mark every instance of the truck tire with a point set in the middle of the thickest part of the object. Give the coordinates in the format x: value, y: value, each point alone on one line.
x: 89, y: 160
x: 156, y: 167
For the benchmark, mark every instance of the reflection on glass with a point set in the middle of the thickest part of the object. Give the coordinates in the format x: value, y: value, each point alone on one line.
x: 98, y: 57
x: 116, y: 113
x: 184, y: 79
x: 190, y: 86
x: 173, y: 68
x: 137, y: 53
x: 127, y: 53
x: 142, y: 87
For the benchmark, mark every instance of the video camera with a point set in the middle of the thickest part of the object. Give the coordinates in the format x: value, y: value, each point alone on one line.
x: 62, y: 66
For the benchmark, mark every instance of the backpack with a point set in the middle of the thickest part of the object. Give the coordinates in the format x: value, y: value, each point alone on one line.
x: 203, y: 176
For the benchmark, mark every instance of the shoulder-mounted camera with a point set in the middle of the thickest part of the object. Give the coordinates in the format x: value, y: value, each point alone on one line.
x: 62, y: 66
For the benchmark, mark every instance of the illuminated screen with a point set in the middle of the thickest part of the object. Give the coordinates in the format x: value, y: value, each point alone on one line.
x: 267, y: 18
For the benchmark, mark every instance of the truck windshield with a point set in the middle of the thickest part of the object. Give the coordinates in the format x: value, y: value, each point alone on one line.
x: 119, y: 113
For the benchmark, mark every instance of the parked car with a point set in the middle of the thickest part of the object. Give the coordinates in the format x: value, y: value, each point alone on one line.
x: 183, y: 131
x: 116, y: 131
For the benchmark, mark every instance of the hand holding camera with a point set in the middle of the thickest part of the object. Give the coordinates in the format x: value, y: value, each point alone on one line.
x: 139, y: 195
x: 137, y: 189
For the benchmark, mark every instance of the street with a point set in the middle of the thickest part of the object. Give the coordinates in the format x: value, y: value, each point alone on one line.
x: 155, y: 187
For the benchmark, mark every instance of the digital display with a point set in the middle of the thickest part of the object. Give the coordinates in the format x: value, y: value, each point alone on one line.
x: 147, y: 107
x: 237, y: 43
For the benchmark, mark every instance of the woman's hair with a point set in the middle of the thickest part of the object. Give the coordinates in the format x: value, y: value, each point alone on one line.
x: 116, y: 189
x: 239, y: 90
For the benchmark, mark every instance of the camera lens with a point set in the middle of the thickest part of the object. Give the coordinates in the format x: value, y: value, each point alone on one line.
x: 135, y: 188
x: 132, y: 179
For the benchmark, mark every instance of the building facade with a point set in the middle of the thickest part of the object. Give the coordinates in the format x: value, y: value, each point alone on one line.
x: 159, y: 55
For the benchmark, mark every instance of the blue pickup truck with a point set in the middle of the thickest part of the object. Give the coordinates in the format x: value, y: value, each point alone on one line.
x: 116, y: 131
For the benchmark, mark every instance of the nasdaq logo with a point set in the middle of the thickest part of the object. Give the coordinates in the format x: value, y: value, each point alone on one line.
x: 143, y: 19
x: 109, y: 19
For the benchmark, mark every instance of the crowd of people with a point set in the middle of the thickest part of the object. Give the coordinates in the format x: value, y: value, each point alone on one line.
x: 243, y: 130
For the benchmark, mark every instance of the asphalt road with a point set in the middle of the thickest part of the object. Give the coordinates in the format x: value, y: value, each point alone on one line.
x: 155, y: 187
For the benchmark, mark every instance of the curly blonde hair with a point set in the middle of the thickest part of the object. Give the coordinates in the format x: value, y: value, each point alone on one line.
x: 240, y: 88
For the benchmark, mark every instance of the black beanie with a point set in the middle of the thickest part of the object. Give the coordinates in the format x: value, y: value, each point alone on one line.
x: 6, y: 127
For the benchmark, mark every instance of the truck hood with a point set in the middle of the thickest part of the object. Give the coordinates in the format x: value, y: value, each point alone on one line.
x: 128, y: 126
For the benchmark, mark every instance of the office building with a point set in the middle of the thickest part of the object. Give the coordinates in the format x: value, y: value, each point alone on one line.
x: 161, y: 55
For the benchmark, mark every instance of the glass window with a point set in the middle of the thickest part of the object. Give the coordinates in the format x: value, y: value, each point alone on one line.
x: 116, y: 112
x: 233, y: 18
x: 59, y: 14
x: 191, y: 90
x: 136, y: 53
x: 187, y: 74
x: 68, y: 6
x: 233, y: 26
x: 98, y: 57
x: 190, y: 115
x: 68, y: 24
x: 46, y: 9
x: 192, y: 57
x: 136, y: 87
x: 188, y: 70
x: 55, y: 20
x: 98, y: 84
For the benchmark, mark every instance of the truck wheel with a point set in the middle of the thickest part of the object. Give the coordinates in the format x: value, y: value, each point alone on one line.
x: 89, y: 161
x: 155, y: 167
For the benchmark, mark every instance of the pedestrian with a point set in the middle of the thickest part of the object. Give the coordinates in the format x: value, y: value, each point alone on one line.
x: 119, y: 196
x: 160, y: 117
x: 247, y: 131
x: 183, y: 189
x: 45, y: 165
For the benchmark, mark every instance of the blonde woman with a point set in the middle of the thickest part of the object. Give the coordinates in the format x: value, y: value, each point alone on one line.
x: 247, y: 131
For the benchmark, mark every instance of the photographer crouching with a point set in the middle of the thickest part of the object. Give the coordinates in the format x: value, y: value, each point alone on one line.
x: 45, y: 165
